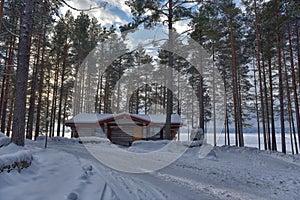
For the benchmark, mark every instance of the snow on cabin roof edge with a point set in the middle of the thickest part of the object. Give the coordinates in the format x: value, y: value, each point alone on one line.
x: 94, y: 118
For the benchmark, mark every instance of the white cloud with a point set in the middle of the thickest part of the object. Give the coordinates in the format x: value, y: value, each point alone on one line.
x: 121, y: 5
x: 105, y: 16
x: 110, y: 15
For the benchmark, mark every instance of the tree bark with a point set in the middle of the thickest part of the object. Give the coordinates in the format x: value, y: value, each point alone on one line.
x: 290, y: 110
x: 54, y: 99
x: 18, y: 135
x: 7, y: 85
x: 258, y: 44
x: 298, y: 55
x: 1, y: 12
x: 31, y: 112
x: 236, y: 95
x: 256, y: 108
x: 65, y: 112
x: 266, y: 106
x: 170, y: 75
x: 10, y: 116
x: 274, y: 145
x: 281, y: 93
x: 40, y: 87
x: 30, y: 117
x: 62, y: 90
x: 294, y: 83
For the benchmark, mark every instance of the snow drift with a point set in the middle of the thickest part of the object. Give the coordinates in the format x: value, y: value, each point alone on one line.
x: 12, y: 156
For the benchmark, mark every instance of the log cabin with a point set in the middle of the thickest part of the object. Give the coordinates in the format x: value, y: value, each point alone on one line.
x: 123, y: 128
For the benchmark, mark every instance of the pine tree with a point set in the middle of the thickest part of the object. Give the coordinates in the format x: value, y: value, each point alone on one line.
x: 22, y: 73
x: 219, y: 27
x: 174, y: 11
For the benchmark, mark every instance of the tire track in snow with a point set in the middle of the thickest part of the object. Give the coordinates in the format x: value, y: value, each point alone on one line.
x: 136, y: 187
x: 210, y: 189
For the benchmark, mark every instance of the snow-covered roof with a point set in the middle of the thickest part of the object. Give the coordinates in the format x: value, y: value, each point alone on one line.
x: 87, y: 118
x: 83, y: 118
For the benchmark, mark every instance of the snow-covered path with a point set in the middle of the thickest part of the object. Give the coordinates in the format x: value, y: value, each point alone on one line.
x: 69, y: 171
x: 238, y: 174
x: 134, y: 186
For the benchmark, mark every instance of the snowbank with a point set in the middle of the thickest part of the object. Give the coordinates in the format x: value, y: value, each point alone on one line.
x: 191, y: 143
x: 151, y: 144
x: 4, y: 140
x: 95, y: 140
x: 67, y: 171
x: 2, y: 135
x: 65, y: 140
x: 144, y: 146
x: 89, y: 139
x: 14, y: 157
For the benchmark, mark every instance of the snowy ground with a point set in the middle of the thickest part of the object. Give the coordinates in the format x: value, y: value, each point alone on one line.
x: 250, y: 139
x: 66, y: 170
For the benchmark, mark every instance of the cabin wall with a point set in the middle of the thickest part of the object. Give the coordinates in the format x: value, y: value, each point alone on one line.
x: 88, y: 130
x: 117, y: 133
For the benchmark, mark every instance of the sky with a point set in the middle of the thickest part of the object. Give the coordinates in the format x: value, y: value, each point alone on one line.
x: 116, y: 12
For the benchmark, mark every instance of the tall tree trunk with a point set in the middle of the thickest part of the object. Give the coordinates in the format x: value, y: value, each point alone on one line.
x: 18, y: 135
x: 170, y: 74
x: 3, y: 82
x: 31, y: 112
x: 30, y: 117
x: 48, y: 98
x: 7, y: 85
x: 236, y: 98
x: 227, y: 132
x: 298, y: 55
x: 294, y: 135
x: 39, y: 102
x: 41, y: 74
x: 10, y: 116
x: 258, y: 45
x: 137, y: 100
x: 274, y: 144
x: 256, y: 108
x: 192, y: 112
x: 62, y: 90
x: 266, y: 106
x: 65, y: 112
x: 2, y: 94
x: 290, y: 110
x: 98, y: 93
x: 281, y: 93
x: 146, y: 95
x: 241, y: 134
x: 214, y: 102
x: 294, y: 81
x: 1, y: 12
x: 118, y: 94
x: 106, y: 93
x: 228, y: 129
x: 54, y: 98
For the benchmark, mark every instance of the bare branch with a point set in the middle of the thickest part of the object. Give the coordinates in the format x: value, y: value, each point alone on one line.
x: 186, y: 31
x: 104, y: 4
x: 186, y: 2
x: 9, y: 31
